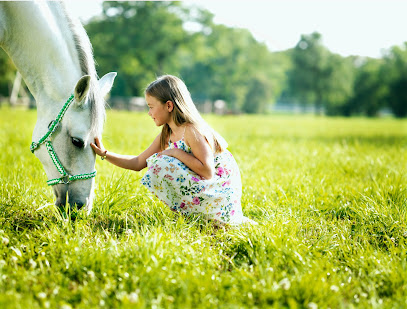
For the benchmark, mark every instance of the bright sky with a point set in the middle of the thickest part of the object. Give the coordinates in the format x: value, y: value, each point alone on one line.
x: 348, y: 27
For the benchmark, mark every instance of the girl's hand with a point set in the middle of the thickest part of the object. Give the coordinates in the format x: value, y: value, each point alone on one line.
x: 98, y: 147
x: 167, y: 152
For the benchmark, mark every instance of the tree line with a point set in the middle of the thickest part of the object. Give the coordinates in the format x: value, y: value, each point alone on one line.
x: 144, y: 39
x: 347, y: 86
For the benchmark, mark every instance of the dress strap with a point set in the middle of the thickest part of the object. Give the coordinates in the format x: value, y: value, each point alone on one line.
x: 182, y: 138
x: 184, y: 132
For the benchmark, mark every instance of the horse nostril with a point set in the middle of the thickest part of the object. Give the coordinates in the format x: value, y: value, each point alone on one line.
x: 75, y: 203
x: 79, y: 205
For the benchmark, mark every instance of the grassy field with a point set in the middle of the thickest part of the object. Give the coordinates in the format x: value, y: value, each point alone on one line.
x: 330, y: 196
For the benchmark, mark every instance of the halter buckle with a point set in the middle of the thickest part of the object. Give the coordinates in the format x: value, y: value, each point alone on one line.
x: 51, y: 124
x: 65, y: 179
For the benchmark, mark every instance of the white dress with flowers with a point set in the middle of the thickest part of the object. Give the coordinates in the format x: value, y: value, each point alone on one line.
x: 188, y: 193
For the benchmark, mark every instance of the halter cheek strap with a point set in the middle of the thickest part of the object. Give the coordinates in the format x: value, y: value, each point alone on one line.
x: 65, y: 177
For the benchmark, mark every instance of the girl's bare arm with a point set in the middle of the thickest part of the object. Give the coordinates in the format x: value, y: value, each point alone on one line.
x: 135, y: 163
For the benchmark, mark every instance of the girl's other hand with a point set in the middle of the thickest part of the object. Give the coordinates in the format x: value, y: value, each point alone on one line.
x: 98, y: 147
x: 167, y: 152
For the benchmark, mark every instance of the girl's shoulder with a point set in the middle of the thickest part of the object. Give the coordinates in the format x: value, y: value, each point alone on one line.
x: 194, y: 135
x: 192, y: 132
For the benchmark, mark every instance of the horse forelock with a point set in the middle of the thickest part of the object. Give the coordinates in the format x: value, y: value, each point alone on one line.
x: 97, y: 108
x: 84, y: 51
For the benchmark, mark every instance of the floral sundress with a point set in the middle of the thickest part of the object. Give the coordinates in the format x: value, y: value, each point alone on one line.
x: 186, y: 192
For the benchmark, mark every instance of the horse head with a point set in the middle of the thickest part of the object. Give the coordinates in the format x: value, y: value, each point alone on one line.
x: 70, y: 140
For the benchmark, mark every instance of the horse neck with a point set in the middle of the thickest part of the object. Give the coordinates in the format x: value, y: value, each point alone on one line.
x: 38, y: 38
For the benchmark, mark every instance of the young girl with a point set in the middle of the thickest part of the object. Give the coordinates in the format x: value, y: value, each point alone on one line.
x: 189, y: 168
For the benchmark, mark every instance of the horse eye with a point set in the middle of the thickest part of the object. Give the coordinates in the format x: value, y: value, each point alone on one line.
x: 77, y: 142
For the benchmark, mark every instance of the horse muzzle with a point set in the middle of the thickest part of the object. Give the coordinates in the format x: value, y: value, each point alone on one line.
x: 64, y: 194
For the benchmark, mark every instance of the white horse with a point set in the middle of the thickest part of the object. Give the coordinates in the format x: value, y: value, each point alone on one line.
x: 54, y: 55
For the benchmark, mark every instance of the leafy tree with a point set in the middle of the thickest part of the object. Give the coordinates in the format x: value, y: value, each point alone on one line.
x: 395, y: 73
x: 310, y: 70
x: 281, y: 66
x: 319, y: 77
x: 139, y: 39
x: 258, y: 90
x: 227, y: 65
x: 340, y: 75
x: 369, y: 89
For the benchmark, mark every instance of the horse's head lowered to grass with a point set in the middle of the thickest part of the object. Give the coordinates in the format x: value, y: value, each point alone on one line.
x: 54, y: 55
x: 62, y: 143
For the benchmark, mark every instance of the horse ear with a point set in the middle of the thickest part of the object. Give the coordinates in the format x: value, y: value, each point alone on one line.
x: 82, y: 89
x: 106, y: 83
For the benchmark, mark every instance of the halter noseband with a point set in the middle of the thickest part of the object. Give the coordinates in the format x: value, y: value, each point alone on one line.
x: 65, y: 177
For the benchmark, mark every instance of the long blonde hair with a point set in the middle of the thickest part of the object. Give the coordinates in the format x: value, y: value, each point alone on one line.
x: 171, y: 88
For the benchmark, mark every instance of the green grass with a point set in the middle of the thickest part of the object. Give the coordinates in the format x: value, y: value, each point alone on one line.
x: 330, y: 196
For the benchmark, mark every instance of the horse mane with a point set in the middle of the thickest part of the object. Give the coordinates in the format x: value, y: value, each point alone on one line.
x: 84, y: 50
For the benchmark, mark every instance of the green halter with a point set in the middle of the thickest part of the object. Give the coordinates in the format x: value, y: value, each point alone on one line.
x: 65, y: 177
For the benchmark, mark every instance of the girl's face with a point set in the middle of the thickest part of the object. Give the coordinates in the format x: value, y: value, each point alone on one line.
x: 157, y: 111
